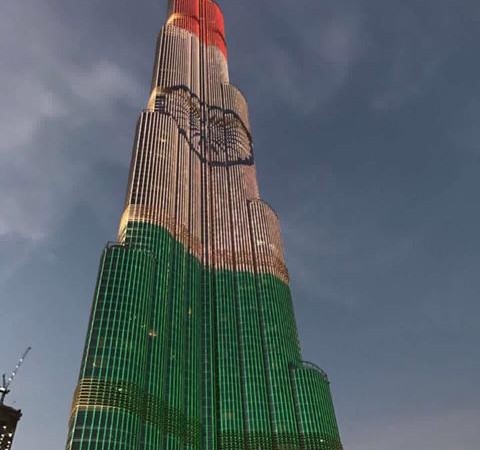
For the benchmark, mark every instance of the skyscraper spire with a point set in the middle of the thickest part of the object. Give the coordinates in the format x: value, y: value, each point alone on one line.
x: 192, y: 341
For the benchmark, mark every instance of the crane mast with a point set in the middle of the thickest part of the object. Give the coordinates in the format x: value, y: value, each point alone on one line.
x: 4, y: 389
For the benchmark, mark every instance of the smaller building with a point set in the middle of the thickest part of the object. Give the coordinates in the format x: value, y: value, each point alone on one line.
x: 9, y: 418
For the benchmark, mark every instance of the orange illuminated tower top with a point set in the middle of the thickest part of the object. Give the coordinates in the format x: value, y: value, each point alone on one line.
x: 201, y: 17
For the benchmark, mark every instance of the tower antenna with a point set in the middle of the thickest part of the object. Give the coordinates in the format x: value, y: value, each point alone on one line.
x: 6, y: 382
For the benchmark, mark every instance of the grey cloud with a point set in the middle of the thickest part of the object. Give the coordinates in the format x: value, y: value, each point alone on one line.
x: 402, y: 46
x: 307, y: 61
x: 44, y: 93
x: 322, y: 250
x: 420, y: 38
x: 101, y: 86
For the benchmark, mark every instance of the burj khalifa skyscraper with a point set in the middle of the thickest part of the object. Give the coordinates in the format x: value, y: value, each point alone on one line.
x: 192, y: 341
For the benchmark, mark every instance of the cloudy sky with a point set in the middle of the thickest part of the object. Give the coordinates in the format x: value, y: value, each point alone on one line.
x: 366, y: 118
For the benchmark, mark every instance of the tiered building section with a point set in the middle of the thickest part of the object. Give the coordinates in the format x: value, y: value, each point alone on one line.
x: 192, y: 342
x: 9, y: 418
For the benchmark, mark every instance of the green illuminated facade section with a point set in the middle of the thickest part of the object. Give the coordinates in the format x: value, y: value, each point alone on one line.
x: 192, y: 342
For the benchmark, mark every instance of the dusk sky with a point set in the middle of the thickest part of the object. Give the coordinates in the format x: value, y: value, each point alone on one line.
x: 366, y: 123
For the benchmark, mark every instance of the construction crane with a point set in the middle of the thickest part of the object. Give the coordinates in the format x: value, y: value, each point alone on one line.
x: 6, y: 382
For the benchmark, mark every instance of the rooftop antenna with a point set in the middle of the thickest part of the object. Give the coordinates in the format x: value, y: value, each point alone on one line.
x: 6, y: 382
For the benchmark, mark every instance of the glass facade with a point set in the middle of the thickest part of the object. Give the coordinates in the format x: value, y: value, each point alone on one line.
x: 192, y: 341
